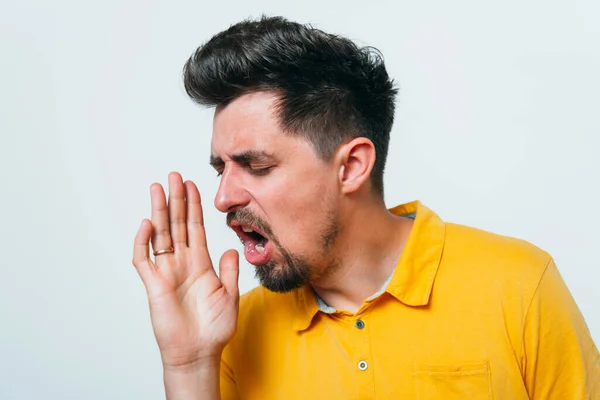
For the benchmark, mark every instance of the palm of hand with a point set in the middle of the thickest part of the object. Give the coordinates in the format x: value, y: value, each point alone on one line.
x: 193, y: 311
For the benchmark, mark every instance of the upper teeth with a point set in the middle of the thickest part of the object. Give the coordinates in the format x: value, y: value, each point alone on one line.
x: 247, y: 230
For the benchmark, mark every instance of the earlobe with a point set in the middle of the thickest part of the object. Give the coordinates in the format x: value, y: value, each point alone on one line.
x: 357, y: 160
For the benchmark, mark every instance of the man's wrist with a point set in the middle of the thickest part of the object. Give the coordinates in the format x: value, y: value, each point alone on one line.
x: 200, y: 364
x: 194, y: 380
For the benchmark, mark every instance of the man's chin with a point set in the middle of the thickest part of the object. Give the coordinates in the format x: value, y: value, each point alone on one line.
x: 276, y: 278
x: 279, y: 287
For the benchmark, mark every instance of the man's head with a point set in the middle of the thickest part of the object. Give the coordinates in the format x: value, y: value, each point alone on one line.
x: 302, y: 119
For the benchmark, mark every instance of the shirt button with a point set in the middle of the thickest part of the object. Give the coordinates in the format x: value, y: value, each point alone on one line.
x: 362, y: 365
x: 359, y: 324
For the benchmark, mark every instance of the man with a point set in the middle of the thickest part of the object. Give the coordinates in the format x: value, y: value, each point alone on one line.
x: 356, y: 301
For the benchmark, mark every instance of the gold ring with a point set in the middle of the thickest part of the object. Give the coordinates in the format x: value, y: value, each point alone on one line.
x: 163, y: 251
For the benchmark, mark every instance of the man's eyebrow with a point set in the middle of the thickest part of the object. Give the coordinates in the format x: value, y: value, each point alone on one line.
x: 248, y: 156
x: 215, y: 161
x: 244, y: 157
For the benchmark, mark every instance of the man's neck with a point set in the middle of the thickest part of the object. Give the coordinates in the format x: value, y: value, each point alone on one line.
x: 367, y: 252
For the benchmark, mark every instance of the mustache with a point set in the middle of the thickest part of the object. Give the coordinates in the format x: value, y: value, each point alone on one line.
x: 247, y: 217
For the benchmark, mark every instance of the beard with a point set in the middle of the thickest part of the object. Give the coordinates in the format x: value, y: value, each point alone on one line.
x: 296, y: 270
x: 294, y: 273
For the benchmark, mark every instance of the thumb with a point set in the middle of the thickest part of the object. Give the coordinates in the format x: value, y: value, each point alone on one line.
x: 229, y: 270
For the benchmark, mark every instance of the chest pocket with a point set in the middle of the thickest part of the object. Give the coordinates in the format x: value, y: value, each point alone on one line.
x: 453, y: 381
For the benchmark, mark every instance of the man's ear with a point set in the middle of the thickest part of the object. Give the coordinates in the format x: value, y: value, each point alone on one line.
x: 357, y: 158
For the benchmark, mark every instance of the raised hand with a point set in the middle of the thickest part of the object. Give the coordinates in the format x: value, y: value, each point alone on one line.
x: 193, y: 311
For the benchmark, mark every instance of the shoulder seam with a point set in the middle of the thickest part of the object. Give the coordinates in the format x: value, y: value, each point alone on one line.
x: 537, y: 287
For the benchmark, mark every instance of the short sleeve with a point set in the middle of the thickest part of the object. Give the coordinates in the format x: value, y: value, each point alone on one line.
x: 561, y: 360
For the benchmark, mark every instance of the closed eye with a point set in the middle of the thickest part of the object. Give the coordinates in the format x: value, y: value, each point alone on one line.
x: 260, y: 171
x: 253, y: 171
x: 219, y: 169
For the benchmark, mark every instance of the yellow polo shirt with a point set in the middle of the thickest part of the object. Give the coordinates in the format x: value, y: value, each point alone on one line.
x: 467, y: 314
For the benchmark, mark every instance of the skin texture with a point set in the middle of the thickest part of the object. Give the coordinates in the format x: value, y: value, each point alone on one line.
x: 274, y: 196
x: 323, y: 213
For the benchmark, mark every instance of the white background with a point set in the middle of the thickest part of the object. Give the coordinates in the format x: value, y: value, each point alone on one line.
x: 497, y: 127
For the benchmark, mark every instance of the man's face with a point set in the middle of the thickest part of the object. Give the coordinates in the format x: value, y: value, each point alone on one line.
x: 279, y: 196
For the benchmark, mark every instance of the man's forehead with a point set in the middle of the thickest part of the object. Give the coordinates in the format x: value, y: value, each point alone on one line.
x: 248, y: 122
x: 238, y: 142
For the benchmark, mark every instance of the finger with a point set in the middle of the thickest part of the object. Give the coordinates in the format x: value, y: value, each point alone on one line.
x: 177, y: 210
x: 161, y: 236
x: 229, y: 270
x: 141, y: 251
x: 195, y: 219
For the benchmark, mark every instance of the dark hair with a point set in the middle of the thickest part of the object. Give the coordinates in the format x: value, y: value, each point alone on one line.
x: 329, y: 88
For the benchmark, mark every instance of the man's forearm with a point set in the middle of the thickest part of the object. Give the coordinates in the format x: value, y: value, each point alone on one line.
x: 193, y: 382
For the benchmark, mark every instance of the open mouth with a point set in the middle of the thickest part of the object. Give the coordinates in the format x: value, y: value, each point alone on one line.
x: 257, y: 246
x: 250, y: 234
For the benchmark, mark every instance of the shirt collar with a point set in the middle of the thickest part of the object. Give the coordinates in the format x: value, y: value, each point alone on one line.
x: 415, y: 272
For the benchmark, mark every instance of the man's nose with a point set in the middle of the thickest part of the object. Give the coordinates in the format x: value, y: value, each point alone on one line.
x: 231, y: 195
